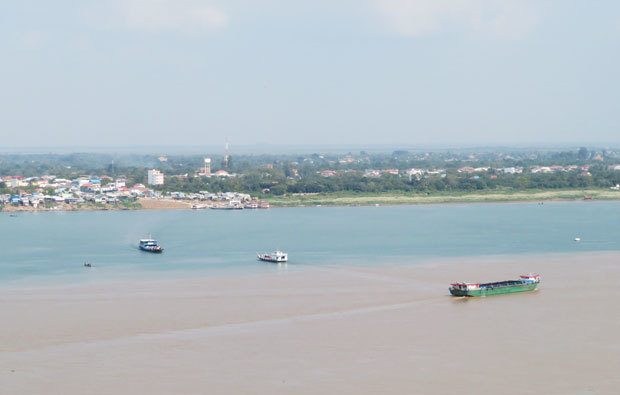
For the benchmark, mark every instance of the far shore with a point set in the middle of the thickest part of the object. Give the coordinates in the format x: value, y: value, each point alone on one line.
x: 349, y: 199
x: 139, y: 204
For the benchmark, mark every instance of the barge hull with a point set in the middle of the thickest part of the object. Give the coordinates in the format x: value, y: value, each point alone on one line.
x: 494, y: 291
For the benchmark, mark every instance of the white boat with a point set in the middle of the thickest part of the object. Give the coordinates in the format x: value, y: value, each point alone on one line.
x: 276, y: 256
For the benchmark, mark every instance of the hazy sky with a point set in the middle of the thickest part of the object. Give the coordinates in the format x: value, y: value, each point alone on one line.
x: 186, y: 72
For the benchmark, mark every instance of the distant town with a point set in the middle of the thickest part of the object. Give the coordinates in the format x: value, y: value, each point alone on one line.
x: 108, y: 181
x: 102, y: 192
x: 49, y: 192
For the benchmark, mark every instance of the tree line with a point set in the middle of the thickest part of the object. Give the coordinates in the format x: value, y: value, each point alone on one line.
x: 276, y: 182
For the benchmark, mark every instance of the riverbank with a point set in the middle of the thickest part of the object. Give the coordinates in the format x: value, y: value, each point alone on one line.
x: 70, y: 207
x: 163, y: 204
x: 139, y: 204
x: 326, y: 329
x: 350, y: 199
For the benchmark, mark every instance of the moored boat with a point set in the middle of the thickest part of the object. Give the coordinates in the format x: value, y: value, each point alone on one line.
x: 276, y: 256
x: 150, y: 245
x: 228, y: 206
x: 527, y: 282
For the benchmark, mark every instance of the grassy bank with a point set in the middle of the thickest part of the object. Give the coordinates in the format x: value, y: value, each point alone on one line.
x: 393, y: 198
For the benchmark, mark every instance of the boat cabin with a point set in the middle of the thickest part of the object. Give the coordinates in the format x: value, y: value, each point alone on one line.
x: 530, y: 278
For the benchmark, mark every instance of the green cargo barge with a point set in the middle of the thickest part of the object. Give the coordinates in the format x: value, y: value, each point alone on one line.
x: 525, y: 283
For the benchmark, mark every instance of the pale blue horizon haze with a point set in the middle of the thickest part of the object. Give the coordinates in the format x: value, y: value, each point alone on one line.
x: 190, y: 72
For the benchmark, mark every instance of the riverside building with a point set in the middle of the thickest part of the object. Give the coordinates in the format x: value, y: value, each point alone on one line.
x: 155, y: 177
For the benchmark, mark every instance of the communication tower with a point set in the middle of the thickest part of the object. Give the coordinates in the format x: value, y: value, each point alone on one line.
x: 226, y: 154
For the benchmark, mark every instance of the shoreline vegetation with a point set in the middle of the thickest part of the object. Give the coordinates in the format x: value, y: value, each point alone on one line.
x: 351, y: 199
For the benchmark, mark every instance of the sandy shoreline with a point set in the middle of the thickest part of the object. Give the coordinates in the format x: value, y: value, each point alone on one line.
x: 334, y: 329
x: 335, y: 199
x: 347, y: 201
x: 144, y: 204
x: 165, y: 204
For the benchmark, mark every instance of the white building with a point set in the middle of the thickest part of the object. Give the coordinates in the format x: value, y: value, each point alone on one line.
x: 206, y: 171
x: 511, y: 170
x: 155, y: 177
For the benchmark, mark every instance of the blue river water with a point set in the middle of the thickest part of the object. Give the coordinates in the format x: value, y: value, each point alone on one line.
x: 50, y: 247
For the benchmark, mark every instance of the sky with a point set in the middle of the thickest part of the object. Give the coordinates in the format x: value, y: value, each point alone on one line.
x: 112, y: 73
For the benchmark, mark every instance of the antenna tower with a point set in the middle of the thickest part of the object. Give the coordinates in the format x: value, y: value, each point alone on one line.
x: 226, y: 154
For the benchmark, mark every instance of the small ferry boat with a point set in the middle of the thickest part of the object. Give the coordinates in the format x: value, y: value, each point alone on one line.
x: 276, y: 256
x: 150, y: 245
x: 527, y: 282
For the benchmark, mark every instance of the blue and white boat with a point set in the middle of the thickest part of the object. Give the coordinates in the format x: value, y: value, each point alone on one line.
x: 150, y: 245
